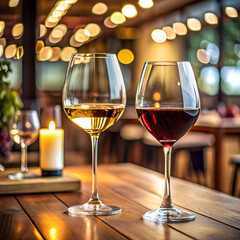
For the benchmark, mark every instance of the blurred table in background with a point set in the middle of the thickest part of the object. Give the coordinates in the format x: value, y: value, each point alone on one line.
x: 219, y: 127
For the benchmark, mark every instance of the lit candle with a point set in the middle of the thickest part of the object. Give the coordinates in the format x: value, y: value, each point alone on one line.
x: 51, y: 150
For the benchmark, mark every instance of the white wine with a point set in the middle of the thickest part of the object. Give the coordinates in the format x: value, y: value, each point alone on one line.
x: 94, y: 118
x: 20, y: 137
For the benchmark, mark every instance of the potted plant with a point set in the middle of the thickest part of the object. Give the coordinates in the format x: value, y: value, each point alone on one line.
x: 10, y: 102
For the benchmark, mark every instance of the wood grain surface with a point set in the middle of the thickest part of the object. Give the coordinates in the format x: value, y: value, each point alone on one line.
x: 132, y: 188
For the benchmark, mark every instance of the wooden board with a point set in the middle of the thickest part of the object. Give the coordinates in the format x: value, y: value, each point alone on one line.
x: 64, y: 183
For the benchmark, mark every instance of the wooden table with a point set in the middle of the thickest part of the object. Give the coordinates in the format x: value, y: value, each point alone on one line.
x: 135, y: 190
x: 224, y: 126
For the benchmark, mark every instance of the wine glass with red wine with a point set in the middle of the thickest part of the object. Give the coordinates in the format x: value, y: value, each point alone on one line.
x: 168, y: 105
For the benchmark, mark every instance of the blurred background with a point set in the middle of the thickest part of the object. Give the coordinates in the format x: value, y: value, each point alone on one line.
x: 38, y: 37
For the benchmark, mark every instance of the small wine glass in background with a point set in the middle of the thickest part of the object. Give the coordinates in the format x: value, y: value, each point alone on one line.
x: 168, y: 105
x: 24, y: 131
x: 94, y: 98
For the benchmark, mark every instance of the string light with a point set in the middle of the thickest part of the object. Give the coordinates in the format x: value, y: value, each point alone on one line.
x: 158, y: 36
x: 180, y: 28
x: 117, y: 18
x: 194, y: 24
x: 231, y: 12
x: 129, y: 11
x: 145, y: 3
x: 99, y: 8
x: 169, y: 32
x: 211, y: 18
x: 93, y: 29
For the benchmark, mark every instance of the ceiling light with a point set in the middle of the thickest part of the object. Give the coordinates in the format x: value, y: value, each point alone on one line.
x: 169, y: 32
x: 231, y: 12
x: 108, y: 23
x: 125, y: 56
x: 10, y: 51
x: 129, y: 10
x: 117, y: 18
x: 180, y: 28
x: 158, y: 36
x: 67, y: 53
x: 194, y: 24
x: 93, y: 29
x: 211, y: 18
x: 99, y: 8
x: 145, y: 3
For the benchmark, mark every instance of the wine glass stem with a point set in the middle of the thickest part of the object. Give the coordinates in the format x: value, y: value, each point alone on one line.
x: 94, y: 199
x: 167, y: 201
x: 24, y: 167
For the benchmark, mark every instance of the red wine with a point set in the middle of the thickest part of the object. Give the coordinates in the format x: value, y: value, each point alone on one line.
x: 168, y: 125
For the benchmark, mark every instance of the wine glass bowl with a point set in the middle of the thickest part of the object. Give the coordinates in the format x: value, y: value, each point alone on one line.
x: 24, y: 131
x: 94, y: 98
x: 168, y: 105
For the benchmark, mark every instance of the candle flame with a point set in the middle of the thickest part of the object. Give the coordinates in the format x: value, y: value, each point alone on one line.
x: 51, y: 126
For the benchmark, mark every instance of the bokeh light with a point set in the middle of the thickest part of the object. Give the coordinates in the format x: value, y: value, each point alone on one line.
x: 45, y: 54
x: 56, y: 54
x: 117, y: 18
x: 108, y: 23
x: 145, y: 3
x: 203, y: 56
x: 19, y: 52
x: 10, y: 51
x: 39, y: 46
x: 180, y: 28
x: 67, y: 53
x: 42, y: 30
x: 99, y: 8
x: 169, y: 32
x: 82, y: 35
x: 211, y: 18
x: 194, y: 24
x: 93, y: 29
x: 158, y: 36
x: 125, y: 56
x: 231, y: 12
x: 129, y: 10
x: 13, y: 3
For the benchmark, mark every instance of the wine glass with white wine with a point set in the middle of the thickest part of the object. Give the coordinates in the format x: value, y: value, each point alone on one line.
x: 24, y: 131
x: 94, y: 98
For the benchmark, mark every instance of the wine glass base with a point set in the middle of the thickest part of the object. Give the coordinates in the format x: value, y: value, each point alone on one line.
x: 95, y: 210
x: 22, y: 175
x: 164, y: 215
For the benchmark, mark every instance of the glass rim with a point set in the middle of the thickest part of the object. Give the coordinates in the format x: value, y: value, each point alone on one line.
x: 95, y: 55
x: 165, y: 63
